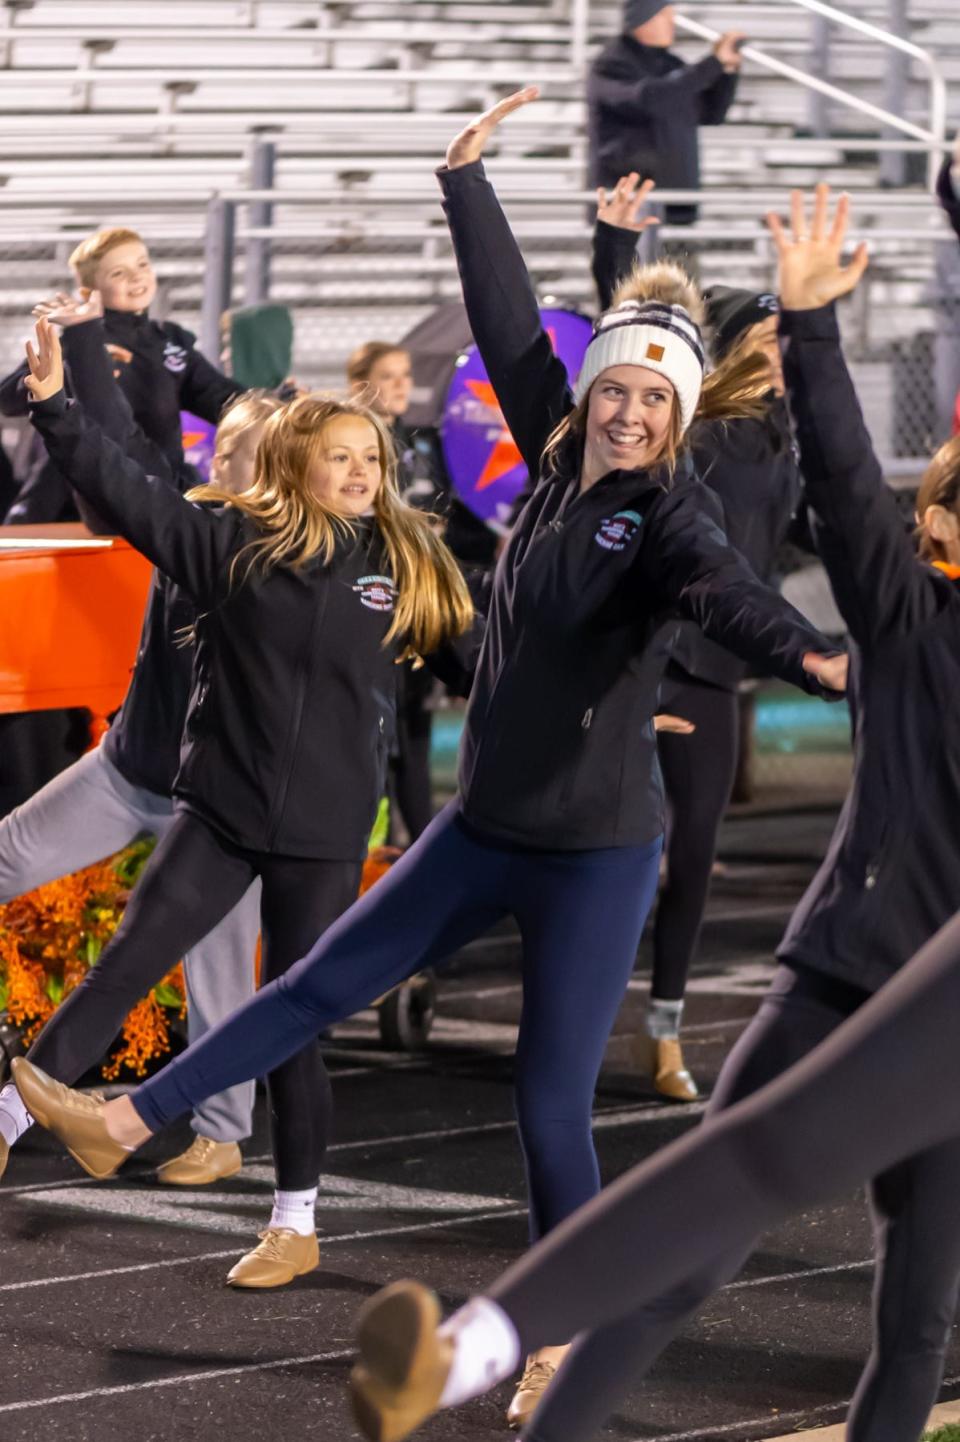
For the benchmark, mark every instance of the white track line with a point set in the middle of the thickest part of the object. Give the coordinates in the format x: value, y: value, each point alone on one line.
x: 466, y: 1220
x: 177, y: 1381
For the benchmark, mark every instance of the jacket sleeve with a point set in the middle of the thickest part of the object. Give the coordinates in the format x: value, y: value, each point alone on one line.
x: 13, y: 393
x: 948, y: 196
x: 529, y: 380
x: 631, y: 99
x: 104, y: 402
x: 191, y: 544
x: 614, y: 254
x: 692, y: 566
x: 43, y: 498
x: 204, y: 390
x: 880, y: 586
x: 716, y: 100
x: 455, y: 662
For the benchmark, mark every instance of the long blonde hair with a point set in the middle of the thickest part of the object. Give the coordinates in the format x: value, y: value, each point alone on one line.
x: 433, y: 602
x: 734, y: 391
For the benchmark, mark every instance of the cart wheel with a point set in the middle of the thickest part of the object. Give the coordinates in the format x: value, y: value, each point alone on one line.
x: 11, y: 1045
x: 406, y: 1013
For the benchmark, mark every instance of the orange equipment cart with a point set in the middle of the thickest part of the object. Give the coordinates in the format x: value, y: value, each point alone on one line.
x: 71, y: 606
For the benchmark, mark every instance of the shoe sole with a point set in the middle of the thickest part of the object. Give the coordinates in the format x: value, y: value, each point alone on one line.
x: 397, y: 1343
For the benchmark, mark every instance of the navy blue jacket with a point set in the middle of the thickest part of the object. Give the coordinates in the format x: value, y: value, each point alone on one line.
x: 558, y: 748
x: 891, y: 877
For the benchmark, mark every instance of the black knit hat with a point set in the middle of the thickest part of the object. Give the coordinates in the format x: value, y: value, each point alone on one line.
x: 730, y: 312
x: 638, y: 12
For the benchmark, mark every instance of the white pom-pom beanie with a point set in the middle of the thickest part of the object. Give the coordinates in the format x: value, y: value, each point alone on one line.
x: 663, y: 338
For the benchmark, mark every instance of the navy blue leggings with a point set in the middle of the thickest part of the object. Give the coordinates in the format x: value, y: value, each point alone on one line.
x: 580, y: 915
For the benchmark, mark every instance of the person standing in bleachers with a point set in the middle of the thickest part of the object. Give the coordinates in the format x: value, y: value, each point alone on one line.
x: 948, y: 274
x: 646, y: 105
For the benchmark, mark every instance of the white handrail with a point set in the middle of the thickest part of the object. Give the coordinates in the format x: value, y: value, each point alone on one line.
x: 934, y: 137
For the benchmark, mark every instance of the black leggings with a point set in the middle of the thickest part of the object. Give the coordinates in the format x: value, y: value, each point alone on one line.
x: 193, y: 879
x: 698, y: 774
x: 880, y: 1097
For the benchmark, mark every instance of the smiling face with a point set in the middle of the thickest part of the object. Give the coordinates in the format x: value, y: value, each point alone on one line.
x: 125, y: 277
x: 629, y: 412
x: 347, y: 471
x: 389, y: 382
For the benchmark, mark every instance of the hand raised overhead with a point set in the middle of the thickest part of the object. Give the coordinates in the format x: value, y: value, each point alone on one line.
x: 67, y: 310
x: 468, y: 145
x: 46, y: 363
x: 622, y: 205
x: 810, y: 270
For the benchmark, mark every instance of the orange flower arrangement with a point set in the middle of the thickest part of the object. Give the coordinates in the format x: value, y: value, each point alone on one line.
x: 51, y: 937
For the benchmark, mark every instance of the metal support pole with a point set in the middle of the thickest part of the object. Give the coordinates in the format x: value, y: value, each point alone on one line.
x: 218, y: 273
x: 893, y: 167
x: 263, y: 161
x: 819, y: 107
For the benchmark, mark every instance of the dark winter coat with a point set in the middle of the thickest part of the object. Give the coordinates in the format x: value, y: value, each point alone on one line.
x: 891, y: 877
x: 558, y: 748
x: 948, y: 197
x: 165, y: 374
x: 645, y: 105
x: 291, y: 712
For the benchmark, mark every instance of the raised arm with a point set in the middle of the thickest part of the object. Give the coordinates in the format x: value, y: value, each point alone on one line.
x: 692, y: 566
x: 529, y: 380
x: 715, y: 101
x: 192, y: 544
x: 615, y: 235
x: 880, y: 586
x: 621, y: 94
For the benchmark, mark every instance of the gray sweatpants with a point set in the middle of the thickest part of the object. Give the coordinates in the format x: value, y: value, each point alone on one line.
x: 89, y: 812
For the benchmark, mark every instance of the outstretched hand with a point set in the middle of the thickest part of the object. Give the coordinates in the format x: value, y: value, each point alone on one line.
x: 67, y: 310
x: 830, y: 671
x: 674, y: 725
x: 468, y: 145
x: 46, y: 363
x: 622, y: 205
x: 810, y: 271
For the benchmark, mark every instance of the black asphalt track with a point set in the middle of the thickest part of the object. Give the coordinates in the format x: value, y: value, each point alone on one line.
x: 115, y: 1322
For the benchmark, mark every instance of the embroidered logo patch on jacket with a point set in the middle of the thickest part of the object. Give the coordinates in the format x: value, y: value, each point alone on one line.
x: 376, y: 592
x: 174, y: 357
x: 616, y: 533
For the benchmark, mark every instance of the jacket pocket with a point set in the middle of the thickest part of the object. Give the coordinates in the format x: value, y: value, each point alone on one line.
x: 575, y: 764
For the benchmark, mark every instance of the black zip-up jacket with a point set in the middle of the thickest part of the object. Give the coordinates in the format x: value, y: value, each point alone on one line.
x: 644, y: 107
x: 891, y: 877
x: 291, y: 714
x: 166, y: 374
x: 558, y: 748
x: 751, y: 466
x: 143, y: 741
x: 947, y: 196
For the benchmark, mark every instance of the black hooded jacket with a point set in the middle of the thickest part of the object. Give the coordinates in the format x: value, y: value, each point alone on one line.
x: 891, y: 877
x: 948, y: 197
x: 645, y: 105
x: 291, y: 711
x: 558, y: 748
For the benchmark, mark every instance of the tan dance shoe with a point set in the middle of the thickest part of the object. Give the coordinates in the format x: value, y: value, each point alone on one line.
x: 75, y: 1117
x: 203, y: 1162
x: 404, y: 1362
x: 537, y: 1376
x: 670, y: 1075
x: 281, y: 1255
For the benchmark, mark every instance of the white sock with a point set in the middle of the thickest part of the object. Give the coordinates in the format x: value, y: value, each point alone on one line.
x: 663, y: 1019
x: 14, y: 1117
x: 296, y: 1211
x: 486, y: 1350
